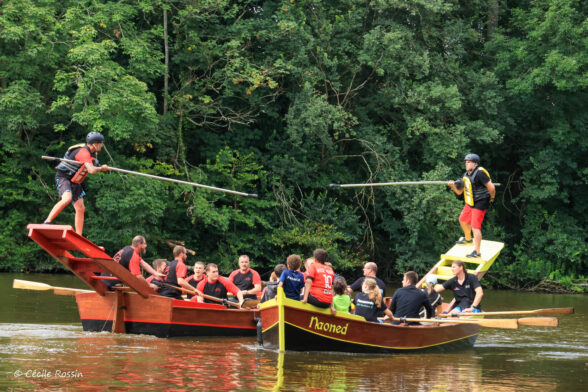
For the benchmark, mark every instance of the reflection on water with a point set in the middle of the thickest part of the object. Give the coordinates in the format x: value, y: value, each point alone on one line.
x: 58, y: 357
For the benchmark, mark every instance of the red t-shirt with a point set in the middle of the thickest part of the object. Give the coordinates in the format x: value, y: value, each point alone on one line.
x: 231, y: 288
x: 83, y: 155
x: 129, y: 258
x: 322, y: 282
x: 181, y: 270
x: 245, y: 281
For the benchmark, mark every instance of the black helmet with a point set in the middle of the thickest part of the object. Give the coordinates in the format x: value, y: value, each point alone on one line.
x: 94, y: 137
x: 472, y: 157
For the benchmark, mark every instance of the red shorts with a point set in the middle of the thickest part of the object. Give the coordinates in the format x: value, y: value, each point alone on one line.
x: 472, y: 216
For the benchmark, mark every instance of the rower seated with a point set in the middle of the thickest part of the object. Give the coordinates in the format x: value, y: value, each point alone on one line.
x: 246, y: 279
x: 216, y: 286
x: 155, y: 281
x: 407, y: 301
x: 197, y: 277
x: 466, y: 288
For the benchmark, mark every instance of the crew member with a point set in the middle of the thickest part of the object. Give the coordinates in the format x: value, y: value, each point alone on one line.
x: 216, y: 286
x: 176, y: 275
x: 69, y: 177
x: 130, y: 258
x: 318, y: 289
x: 369, y: 271
x: 467, y: 289
x: 407, y: 301
x: 197, y: 277
x: 246, y: 279
x: 478, y: 192
x: 159, y: 265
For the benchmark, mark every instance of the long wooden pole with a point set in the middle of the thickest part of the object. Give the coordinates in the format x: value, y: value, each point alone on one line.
x: 212, y: 188
x: 511, y: 312
x: 491, y: 323
x: 399, y: 183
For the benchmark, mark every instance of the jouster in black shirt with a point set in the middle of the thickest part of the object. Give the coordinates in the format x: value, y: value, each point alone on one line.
x: 408, y: 301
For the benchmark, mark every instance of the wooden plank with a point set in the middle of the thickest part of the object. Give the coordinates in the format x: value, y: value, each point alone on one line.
x: 118, y: 323
x: 139, y: 285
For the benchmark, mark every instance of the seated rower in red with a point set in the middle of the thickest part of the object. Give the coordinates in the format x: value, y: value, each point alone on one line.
x: 216, y: 286
x: 246, y: 279
x: 159, y: 265
x: 318, y: 289
x: 198, y: 276
x: 130, y: 258
x: 176, y: 275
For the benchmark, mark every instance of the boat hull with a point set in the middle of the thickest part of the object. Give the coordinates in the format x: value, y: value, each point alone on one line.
x: 163, y: 317
x: 291, y: 325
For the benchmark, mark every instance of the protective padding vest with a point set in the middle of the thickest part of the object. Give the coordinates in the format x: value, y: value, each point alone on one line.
x: 473, y: 192
x: 76, y: 173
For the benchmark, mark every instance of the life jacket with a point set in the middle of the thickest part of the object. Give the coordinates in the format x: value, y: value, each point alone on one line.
x: 76, y: 173
x: 474, y: 191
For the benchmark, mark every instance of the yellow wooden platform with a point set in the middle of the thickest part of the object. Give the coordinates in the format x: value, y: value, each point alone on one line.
x: 477, y: 266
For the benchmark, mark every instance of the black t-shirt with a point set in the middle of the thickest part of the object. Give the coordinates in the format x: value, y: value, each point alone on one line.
x: 216, y: 289
x: 408, y: 301
x: 356, y: 286
x: 367, y: 308
x: 464, y: 293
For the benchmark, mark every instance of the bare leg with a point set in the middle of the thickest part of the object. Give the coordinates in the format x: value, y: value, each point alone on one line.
x: 80, y: 210
x: 477, y: 239
x: 57, y: 208
x: 467, y: 230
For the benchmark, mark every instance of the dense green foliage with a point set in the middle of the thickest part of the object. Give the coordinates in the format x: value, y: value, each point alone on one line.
x: 282, y: 98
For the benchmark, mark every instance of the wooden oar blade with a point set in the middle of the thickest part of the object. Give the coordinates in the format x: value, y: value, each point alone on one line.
x: 539, y: 321
x: 28, y: 285
x: 498, y: 323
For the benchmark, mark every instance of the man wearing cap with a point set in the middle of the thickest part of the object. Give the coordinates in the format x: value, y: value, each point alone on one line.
x: 478, y: 192
x: 69, y: 177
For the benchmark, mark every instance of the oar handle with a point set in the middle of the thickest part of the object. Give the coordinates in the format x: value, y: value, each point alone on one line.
x: 199, y: 293
x: 116, y: 169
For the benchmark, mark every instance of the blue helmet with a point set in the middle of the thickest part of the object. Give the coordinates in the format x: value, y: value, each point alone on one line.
x: 472, y: 157
x: 94, y: 137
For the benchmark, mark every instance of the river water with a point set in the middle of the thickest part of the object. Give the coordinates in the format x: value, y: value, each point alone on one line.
x: 43, y: 347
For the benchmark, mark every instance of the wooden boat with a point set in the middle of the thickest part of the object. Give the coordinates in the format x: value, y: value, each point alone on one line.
x: 141, y: 311
x: 291, y: 325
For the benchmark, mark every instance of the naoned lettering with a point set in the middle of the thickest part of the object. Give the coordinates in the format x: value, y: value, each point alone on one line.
x: 327, y: 327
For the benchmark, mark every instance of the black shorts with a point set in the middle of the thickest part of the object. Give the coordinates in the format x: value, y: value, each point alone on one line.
x: 313, y: 301
x: 65, y: 185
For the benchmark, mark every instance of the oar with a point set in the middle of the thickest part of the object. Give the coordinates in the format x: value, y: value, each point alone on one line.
x: 491, y: 323
x: 372, y: 184
x: 28, y: 285
x: 539, y: 321
x: 210, y: 297
x: 212, y: 188
x: 511, y: 312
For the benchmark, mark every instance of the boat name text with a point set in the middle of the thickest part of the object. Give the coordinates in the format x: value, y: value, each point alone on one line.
x: 327, y: 327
